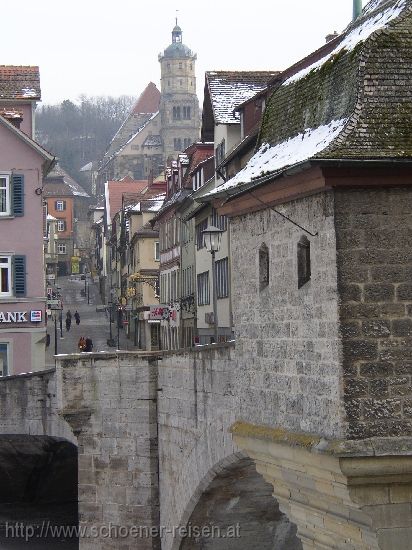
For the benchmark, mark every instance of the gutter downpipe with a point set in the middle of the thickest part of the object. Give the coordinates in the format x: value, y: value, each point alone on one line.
x: 357, y: 9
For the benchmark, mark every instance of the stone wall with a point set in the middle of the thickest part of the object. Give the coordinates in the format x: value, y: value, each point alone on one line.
x: 109, y: 401
x: 28, y: 406
x: 287, y: 338
x: 374, y: 237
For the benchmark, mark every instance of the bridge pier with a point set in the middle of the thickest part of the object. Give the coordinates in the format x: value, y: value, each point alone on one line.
x: 352, y: 495
x: 109, y: 401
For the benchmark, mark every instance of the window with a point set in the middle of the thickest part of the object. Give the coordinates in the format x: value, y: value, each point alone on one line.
x: 61, y: 225
x: 177, y: 144
x: 220, y: 152
x: 61, y: 248
x: 5, y: 276
x: 60, y: 206
x: 218, y: 221
x: 157, y: 251
x: 303, y: 261
x: 222, y: 278
x: 176, y: 113
x: 4, y: 359
x: 11, y: 195
x: 181, y: 82
x: 199, y: 233
x: 263, y: 267
x: 5, y: 208
x: 186, y: 113
x: 187, y: 142
x: 180, y: 66
x: 203, y: 293
x: 12, y: 276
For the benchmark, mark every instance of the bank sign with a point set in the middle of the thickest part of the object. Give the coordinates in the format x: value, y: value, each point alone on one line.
x: 34, y: 316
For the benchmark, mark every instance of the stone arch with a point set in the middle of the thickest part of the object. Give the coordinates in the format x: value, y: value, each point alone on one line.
x: 39, y: 479
x: 233, y: 508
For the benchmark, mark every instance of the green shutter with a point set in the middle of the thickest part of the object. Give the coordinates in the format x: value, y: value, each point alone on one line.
x: 18, y: 194
x: 19, y: 275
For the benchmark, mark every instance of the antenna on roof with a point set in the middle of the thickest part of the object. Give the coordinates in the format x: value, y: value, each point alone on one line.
x: 357, y: 9
x: 177, y: 11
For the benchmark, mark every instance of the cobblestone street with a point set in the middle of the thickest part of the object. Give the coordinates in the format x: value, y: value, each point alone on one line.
x: 93, y: 324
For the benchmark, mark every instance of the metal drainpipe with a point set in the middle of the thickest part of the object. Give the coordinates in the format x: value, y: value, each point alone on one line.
x: 357, y: 9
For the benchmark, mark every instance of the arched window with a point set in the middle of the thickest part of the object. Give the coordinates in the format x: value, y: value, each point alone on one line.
x: 303, y: 261
x: 263, y: 267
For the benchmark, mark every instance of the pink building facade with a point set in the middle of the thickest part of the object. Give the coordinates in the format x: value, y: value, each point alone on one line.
x: 23, y: 164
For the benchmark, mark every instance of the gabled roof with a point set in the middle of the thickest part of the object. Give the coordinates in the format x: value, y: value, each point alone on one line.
x: 58, y: 183
x: 116, y: 191
x: 351, y: 103
x: 148, y: 101
x: 19, y: 82
x: 48, y: 157
x: 144, y: 110
x: 228, y: 89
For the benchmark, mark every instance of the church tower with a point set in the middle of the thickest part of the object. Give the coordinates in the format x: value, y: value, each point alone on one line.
x: 179, y: 105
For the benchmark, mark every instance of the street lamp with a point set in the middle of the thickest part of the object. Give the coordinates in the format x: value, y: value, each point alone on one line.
x: 211, y: 239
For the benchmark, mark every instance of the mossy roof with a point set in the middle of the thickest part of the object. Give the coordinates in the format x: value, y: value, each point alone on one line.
x: 353, y: 103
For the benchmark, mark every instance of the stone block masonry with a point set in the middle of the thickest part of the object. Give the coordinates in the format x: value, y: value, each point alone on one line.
x: 374, y: 268
x: 110, y: 403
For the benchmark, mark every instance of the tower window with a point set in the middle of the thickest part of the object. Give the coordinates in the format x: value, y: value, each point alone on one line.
x: 181, y: 82
x: 177, y: 144
x: 263, y: 267
x: 176, y: 113
x: 187, y: 142
x: 303, y: 261
x: 180, y: 65
x: 186, y: 113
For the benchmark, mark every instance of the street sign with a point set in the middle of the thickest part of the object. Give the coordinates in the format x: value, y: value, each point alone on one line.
x: 128, y: 308
x: 53, y: 302
x: 55, y: 307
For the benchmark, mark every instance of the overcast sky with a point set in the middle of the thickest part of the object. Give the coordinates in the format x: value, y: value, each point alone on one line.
x: 111, y: 47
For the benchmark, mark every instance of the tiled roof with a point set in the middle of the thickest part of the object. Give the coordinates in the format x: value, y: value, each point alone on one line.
x: 59, y: 183
x: 148, y: 101
x: 115, y: 191
x: 228, y: 89
x: 352, y: 102
x: 19, y: 82
x: 152, y: 141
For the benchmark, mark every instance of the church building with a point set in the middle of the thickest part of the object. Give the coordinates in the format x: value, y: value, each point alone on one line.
x: 160, y: 124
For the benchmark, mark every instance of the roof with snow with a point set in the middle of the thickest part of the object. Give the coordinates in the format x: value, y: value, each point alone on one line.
x: 349, y: 101
x: 58, y: 183
x: 19, y: 82
x: 142, y: 112
x: 228, y: 89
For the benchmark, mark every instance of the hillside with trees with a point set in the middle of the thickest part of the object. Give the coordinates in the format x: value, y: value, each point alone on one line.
x: 80, y: 133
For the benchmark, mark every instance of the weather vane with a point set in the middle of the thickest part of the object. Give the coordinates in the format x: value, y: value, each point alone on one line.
x: 177, y: 11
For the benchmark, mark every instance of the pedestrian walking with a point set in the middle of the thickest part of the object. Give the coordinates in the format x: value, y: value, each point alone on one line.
x: 77, y: 317
x: 89, y: 344
x: 68, y: 320
x: 82, y: 344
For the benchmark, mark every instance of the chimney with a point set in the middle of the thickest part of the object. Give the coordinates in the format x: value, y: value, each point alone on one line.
x: 331, y: 36
x: 12, y: 116
x: 357, y: 9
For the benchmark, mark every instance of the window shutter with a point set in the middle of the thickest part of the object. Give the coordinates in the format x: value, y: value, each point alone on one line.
x: 55, y: 205
x: 19, y: 275
x: 64, y: 205
x: 18, y: 194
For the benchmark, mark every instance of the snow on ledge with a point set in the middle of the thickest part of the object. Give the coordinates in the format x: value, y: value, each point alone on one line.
x: 270, y: 159
x: 354, y: 37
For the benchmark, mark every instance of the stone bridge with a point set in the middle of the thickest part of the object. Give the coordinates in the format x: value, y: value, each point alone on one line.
x: 185, y: 451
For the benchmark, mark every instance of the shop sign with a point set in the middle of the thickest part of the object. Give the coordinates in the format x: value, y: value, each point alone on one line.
x: 20, y: 316
x: 159, y: 313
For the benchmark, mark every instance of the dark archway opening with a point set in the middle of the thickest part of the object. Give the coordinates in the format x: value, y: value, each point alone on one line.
x: 38, y: 493
x: 238, y: 512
